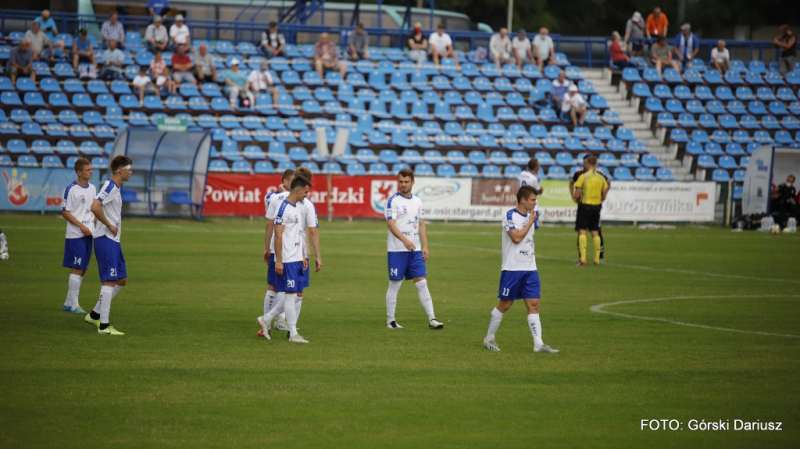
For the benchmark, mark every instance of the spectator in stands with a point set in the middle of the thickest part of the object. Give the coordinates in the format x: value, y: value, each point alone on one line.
x: 204, y: 65
x: 686, y: 45
x: 37, y: 40
x: 558, y: 90
x: 787, y: 42
x: 83, y: 50
x: 543, y: 49
x: 500, y: 51
x: 635, y: 30
x: 272, y: 41
x: 618, y: 56
x: 179, y: 34
x: 143, y: 84
x: 112, y: 62
x: 158, y: 8
x: 522, y: 48
x: 160, y: 73
x: 721, y: 57
x: 417, y: 45
x: 657, y: 23
x: 49, y: 27
x: 442, y: 47
x: 113, y: 30
x: 156, y: 35
x: 182, y: 67
x: 786, y: 201
x: 261, y: 81
x: 573, y: 106
x: 661, y: 55
x: 326, y: 57
x: 238, y: 86
x: 358, y: 47
x: 20, y: 62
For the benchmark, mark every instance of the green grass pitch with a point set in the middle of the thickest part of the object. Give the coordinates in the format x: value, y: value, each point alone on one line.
x: 191, y: 372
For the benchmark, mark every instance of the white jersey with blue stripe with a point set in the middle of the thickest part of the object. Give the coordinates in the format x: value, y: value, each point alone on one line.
x: 406, y: 213
x: 309, y: 218
x: 112, y: 208
x: 518, y: 256
x: 271, y: 198
x: 526, y: 178
x: 290, y: 217
x: 78, y: 201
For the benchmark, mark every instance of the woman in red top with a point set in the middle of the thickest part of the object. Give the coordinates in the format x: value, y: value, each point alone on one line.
x: 618, y: 57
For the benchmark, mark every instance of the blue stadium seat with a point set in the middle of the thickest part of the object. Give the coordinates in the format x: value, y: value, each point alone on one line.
x: 754, y: 107
x: 355, y: 169
x: 723, y: 93
x: 10, y: 99
x: 241, y: 167
x: 683, y: 92
x: 739, y: 175
x: 706, y: 162
x: 491, y: 171
x: 623, y: 174
x: 27, y: 161
x: 445, y: 171
x: 645, y: 174
x: 629, y: 160
x: 775, y: 108
x: 557, y: 172
x: 650, y: 161
x: 52, y: 162
x: 74, y: 85
x: 31, y: 129
x: 720, y: 175
x: 665, y: 174
x: 261, y: 167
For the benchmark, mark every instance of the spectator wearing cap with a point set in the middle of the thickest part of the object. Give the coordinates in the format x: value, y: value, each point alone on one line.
x: 143, y: 84
x: 48, y: 25
x: 442, y: 47
x: 112, y: 30
x: 721, y: 57
x: 204, y: 65
x: 662, y: 56
x: 112, y: 62
x: 522, y: 49
x: 500, y: 50
x: 618, y: 56
x: 686, y: 45
x: 657, y: 23
x: 20, y: 62
x: 261, y: 81
x: 182, y: 66
x: 272, y: 41
x: 237, y: 86
x: 156, y: 35
x: 39, y: 42
x: 573, y: 106
x: 358, y: 47
x: 160, y: 73
x: 83, y: 50
x: 417, y: 45
x: 179, y: 33
x: 544, y: 49
x: 158, y: 8
x: 326, y: 56
x: 635, y: 32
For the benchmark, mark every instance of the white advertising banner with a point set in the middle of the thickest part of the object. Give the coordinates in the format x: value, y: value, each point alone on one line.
x: 660, y: 201
x: 755, y: 195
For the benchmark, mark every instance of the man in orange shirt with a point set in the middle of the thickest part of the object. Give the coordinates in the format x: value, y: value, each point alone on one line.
x: 657, y: 23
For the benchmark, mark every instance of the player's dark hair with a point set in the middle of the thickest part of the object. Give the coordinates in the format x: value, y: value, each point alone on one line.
x: 592, y: 161
x: 533, y: 164
x: 304, y: 172
x: 81, y: 163
x: 287, y: 174
x: 300, y: 182
x: 525, y: 192
x: 119, y: 162
x: 587, y: 156
x: 406, y: 173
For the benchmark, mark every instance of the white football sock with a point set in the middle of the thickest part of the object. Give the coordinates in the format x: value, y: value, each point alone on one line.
x: 291, y: 313
x: 536, y: 329
x: 106, y: 295
x: 117, y: 289
x: 298, y: 304
x: 494, y: 323
x: 391, y: 299
x: 74, y: 290
x: 425, y: 298
x: 269, y: 301
x: 277, y: 308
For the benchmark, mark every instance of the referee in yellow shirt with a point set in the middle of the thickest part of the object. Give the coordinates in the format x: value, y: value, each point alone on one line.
x: 590, y: 192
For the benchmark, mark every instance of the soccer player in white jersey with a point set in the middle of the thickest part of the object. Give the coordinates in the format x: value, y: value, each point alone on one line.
x: 107, y: 207
x: 519, y: 278
x: 530, y: 177
x: 310, y: 232
x: 274, y: 199
x: 76, y: 209
x: 407, y: 247
x: 290, y: 261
